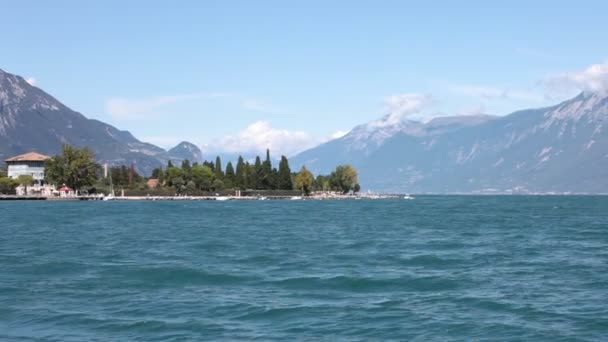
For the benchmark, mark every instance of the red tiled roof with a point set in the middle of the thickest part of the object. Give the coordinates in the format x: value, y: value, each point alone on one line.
x: 31, y: 156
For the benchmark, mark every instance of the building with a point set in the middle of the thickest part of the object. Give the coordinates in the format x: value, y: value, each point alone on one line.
x: 31, y: 164
x: 152, y: 183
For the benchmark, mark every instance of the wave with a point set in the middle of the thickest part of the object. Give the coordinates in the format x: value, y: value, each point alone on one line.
x: 175, y: 276
x: 367, y: 284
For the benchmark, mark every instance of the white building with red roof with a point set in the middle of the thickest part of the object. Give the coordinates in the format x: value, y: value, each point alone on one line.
x: 30, y: 164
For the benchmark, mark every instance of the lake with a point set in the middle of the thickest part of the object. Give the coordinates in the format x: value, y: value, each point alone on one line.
x: 434, y: 268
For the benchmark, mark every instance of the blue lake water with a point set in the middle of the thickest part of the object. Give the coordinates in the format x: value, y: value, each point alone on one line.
x: 435, y: 268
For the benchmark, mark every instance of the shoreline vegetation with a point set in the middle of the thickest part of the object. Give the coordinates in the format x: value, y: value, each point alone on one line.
x: 76, y: 169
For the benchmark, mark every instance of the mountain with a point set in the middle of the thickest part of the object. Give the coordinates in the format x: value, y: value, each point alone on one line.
x: 32, y: 120
x: 563, y: 148
x: 186, y: 150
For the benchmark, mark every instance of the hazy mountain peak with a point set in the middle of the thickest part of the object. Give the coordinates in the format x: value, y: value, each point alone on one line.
x: 32, y: 120
x: 187, y: 150
x: 589, y: 105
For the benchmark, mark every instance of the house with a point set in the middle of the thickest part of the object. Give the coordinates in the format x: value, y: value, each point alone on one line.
x: 152, y: 183
x: 30, y: 164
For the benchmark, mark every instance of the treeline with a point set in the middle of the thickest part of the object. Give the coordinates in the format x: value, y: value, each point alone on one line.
x: 76, y: 168
x: 260, y: 175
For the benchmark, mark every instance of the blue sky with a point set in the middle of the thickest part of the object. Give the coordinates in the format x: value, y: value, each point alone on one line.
x: 243, y: 75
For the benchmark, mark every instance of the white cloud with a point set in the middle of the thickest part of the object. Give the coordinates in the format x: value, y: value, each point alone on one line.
x: 139, y: 109
x: 338, y: 134
x: 31, y: 81
x: 259, y: 136
x: 404, y: 105
x: 144, y: 108
x: 593, y: 79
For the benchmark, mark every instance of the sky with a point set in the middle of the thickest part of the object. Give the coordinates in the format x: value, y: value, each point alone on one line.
x: 240, y: 76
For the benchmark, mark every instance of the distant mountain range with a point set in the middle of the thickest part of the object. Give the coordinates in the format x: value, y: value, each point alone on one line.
x: 563, y: 148
x: 32, y: 120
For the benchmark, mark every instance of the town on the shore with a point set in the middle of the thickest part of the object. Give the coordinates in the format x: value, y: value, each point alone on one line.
x: 74, y: 174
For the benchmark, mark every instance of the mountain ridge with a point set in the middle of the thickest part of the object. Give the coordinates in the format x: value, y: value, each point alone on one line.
x: 532, y: 150
x: 33, y: 120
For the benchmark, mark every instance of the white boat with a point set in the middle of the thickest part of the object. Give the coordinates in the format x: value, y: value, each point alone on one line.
x: 110, y: 196
x: 262, y: 198
x: 408, y: 197
x: 296, y: 198
x: 222, y: 198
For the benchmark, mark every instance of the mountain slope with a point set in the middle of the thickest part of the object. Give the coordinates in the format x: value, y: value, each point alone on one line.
x: 186, y: 150
x: 556, y: 149
x: 32, y: 120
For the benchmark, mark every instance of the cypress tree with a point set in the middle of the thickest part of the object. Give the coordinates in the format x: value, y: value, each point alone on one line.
x: 257, y: 174
x: 187, y: 170
x: 219, y: 174
x: 230, y: 171
x: 267, y: 172
x: 284, y: 175
x: 240, y: 173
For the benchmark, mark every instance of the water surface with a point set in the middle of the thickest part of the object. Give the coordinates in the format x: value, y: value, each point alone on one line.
x: 435, y: 268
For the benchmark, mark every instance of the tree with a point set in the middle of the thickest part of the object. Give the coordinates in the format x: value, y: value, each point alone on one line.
x: 7, y: 185
x: 284, y: 175
x: 157, y: 173
x: 219, y: 174
x: 25, y: 181
x: 357, y: 188
x: 203, y: 177
x: 304, y: 180
x: 179, y: 184
x: 186, y: 170
x: 229, y: 178
x: 344, y: 178
x: 172, y: 174
x: 241, y: 174
x: 74, y: 167
x: 258, y: 174
x: 190, y: 187
x: 267, y: 181
x: 218, y: 185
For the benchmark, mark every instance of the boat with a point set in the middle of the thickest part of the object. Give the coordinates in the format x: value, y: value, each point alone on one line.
x: 262, y: 198
x: 110, y: 196
x: 296, y: 198
x: 222, y: 198
x: 408, y: 197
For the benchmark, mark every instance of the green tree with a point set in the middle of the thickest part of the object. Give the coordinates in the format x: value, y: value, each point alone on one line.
x: 190, y: 187
x: 186, y: 170
x: 218, y: 185
x: 241, y: 174
x: 172, y: 174
x: 258, y: 175
x: 74, y: 167
x: 179, y: 184
x: 8, y: 185
x: 25, y: 181
x: 203, y: 177
x: 344, y: 178
x: 229, y: 178
x: 267, y: 179
x: 304, y: 180
x: 219, y: 174
x: 157, y: 173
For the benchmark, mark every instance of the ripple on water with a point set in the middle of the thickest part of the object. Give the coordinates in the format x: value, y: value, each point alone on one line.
x: 437, y: 268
